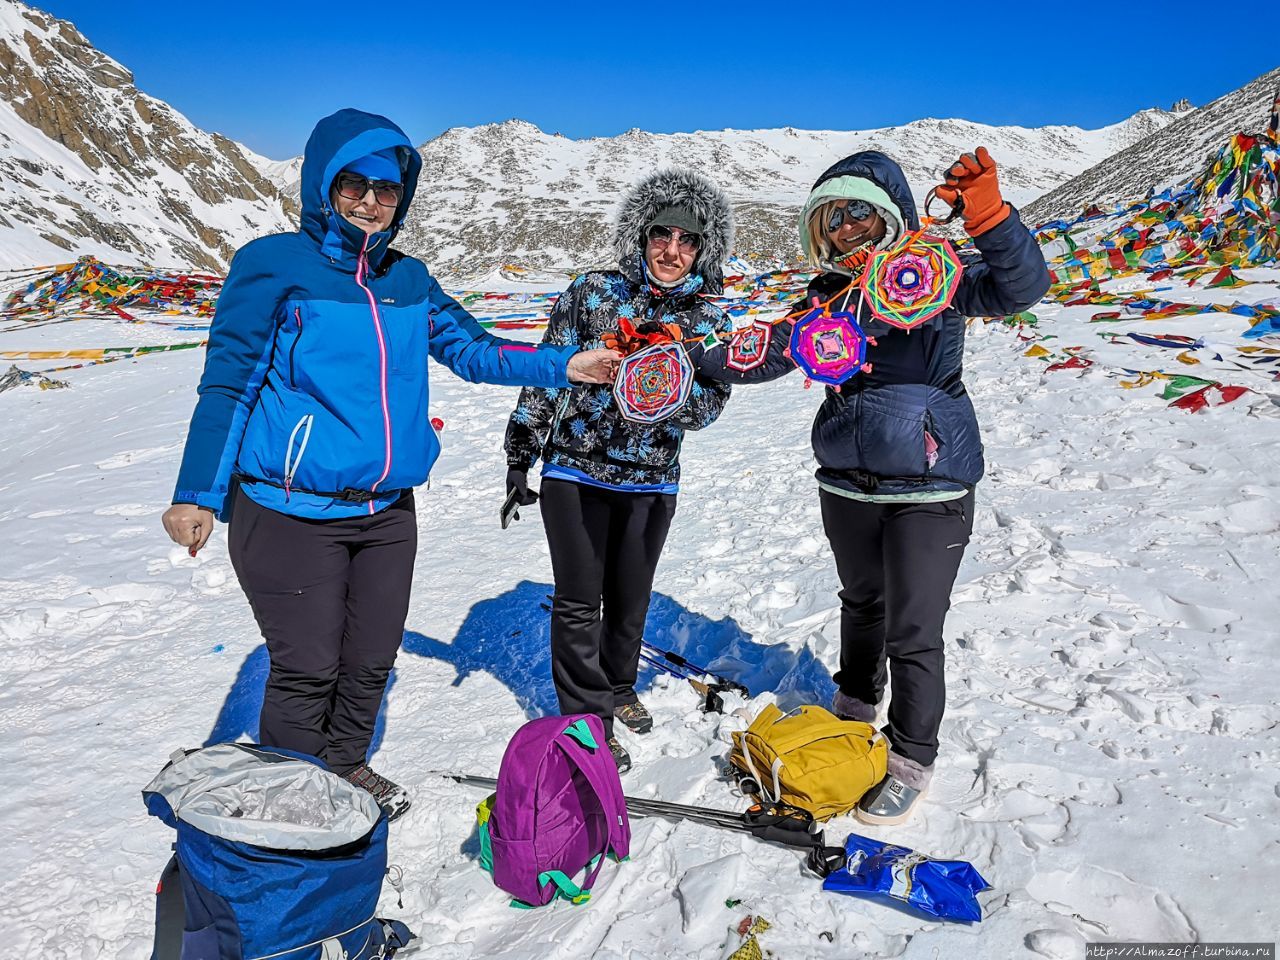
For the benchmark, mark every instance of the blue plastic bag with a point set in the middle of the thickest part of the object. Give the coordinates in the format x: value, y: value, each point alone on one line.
x: 945, y: 889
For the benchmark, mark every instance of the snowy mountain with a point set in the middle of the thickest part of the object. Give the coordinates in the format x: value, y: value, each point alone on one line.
x: 1175, y: 154
x: 285, y: 175
x: 89, y: 164
x: 507, y: 192
x: 510, y: 192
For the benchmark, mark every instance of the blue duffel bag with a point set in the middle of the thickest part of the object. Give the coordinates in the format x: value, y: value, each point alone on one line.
x: 276, y: 857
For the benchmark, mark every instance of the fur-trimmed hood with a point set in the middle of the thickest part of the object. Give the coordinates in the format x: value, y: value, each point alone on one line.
x: 678, y: 187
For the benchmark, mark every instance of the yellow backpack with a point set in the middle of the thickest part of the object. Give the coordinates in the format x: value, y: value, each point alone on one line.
x: 810, y: 759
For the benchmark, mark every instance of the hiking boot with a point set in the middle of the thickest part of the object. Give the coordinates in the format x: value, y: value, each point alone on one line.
x: 634, y: 716
x: 894, y: 799
x: 620, y: 755
x: 391, y: 797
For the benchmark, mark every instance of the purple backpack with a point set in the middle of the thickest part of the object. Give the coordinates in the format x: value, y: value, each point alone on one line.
x: 559, y: 811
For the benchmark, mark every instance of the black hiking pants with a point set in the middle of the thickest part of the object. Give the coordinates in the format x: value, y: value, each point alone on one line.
x: 897, y: 563
x: 330, y: 597
x: 605, y: 546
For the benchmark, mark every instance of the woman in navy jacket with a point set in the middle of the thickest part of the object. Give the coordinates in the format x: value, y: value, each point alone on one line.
x: 897, y: 446
x: 312, y: 424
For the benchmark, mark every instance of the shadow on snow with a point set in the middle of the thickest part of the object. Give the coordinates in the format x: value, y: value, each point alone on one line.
x: 508, y: 637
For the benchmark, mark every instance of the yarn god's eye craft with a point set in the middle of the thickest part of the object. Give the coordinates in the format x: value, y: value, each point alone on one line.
x: 749, y: 346
x: 654, y: 383
x: 828, y: 347
x: 912, y: 281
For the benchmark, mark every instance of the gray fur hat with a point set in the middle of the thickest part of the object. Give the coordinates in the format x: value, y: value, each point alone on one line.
x: 683, y: 188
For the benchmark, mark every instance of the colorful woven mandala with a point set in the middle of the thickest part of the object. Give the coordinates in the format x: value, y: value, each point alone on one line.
x: 828, y: 347
x: 749, y: 346
x: 912, y: 281
x: 653, y: 383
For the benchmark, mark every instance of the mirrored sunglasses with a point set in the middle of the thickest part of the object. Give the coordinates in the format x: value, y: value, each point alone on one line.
x: 854, y: 210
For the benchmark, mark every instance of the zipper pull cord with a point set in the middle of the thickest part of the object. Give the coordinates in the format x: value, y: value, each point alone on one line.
x: 395, y: 877
x: 291, y: 463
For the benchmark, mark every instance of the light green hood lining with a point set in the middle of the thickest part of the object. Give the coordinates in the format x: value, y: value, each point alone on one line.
x: 852, y: 188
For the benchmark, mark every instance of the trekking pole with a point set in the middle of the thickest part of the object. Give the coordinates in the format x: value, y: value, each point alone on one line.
x: 665, y: 667
x: 712, y: 702
x: 676, y: 665
x: 677, y: 660
x: 643, y: 806
x: 775, y: 824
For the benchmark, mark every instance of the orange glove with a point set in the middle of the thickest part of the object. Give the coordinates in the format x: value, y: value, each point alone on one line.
x: 630, y: 339
x: 972, y: 179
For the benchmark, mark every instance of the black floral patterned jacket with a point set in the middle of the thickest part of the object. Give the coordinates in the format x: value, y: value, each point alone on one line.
x: 580, y: 427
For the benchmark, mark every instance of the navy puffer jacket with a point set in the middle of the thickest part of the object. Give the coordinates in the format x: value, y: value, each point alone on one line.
x: 869, y: 437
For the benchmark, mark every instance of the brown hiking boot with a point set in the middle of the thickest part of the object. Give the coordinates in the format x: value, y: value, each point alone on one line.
x: 620, y: 755
x: 634, y: 716
x: 391, y: 797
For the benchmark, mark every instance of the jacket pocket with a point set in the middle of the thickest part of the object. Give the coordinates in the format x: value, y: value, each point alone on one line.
x: 408, y: 332
x: 878, y: 430
x: 293, y: 347
x: 835, y: 432
x: 954, y: 427
x: 933, y: 443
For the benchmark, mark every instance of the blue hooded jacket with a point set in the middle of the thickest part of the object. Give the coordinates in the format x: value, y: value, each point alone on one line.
x: 871, y: 436
x: 315, y: 387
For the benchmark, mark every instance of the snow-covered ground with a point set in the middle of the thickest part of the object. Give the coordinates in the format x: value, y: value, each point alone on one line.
x: 1109, y: 758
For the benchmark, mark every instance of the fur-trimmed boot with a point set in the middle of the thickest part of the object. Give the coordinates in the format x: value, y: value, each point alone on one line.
x: 851, y: 708
x: 894, y: 799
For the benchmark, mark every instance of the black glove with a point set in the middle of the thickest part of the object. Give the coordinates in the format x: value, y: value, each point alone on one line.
x: 518, y: 480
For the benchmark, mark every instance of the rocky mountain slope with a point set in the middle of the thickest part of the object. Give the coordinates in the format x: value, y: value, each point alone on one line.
x: 1175, y: 154
x: 91, y: 164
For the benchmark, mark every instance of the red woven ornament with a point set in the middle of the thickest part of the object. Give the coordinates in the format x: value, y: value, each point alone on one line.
x: 749, y: 346
x: 654, y: 383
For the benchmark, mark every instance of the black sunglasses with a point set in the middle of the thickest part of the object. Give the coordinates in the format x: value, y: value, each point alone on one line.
x: 661, y: 236
x: 354, y: 187
x: 855, y: 210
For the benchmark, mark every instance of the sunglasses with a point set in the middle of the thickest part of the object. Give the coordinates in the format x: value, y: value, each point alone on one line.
x: 661, y: 236
x: 354, y: 187
x: 855, y: 210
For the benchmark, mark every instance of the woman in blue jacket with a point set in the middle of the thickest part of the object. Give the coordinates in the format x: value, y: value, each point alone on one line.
x: 897, y: 446
x: 312, y: 430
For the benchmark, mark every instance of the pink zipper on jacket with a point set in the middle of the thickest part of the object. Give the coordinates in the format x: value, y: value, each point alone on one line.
x: 362, y: 267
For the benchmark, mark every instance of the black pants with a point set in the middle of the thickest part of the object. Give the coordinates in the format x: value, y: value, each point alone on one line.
x: 330, y: 597
x: 897, y: 564
x: 605, y: 546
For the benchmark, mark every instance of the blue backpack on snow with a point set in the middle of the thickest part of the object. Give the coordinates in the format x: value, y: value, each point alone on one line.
x: 276, y: 857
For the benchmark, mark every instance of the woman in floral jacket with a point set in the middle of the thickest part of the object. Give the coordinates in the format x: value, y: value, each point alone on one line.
x: 609, y: 483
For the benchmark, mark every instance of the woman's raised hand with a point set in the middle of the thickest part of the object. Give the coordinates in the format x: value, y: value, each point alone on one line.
x: 188, y: 525
x: 594, y: 366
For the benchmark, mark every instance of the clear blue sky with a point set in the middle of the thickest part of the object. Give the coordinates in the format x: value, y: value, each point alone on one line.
x: 263, y: 73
